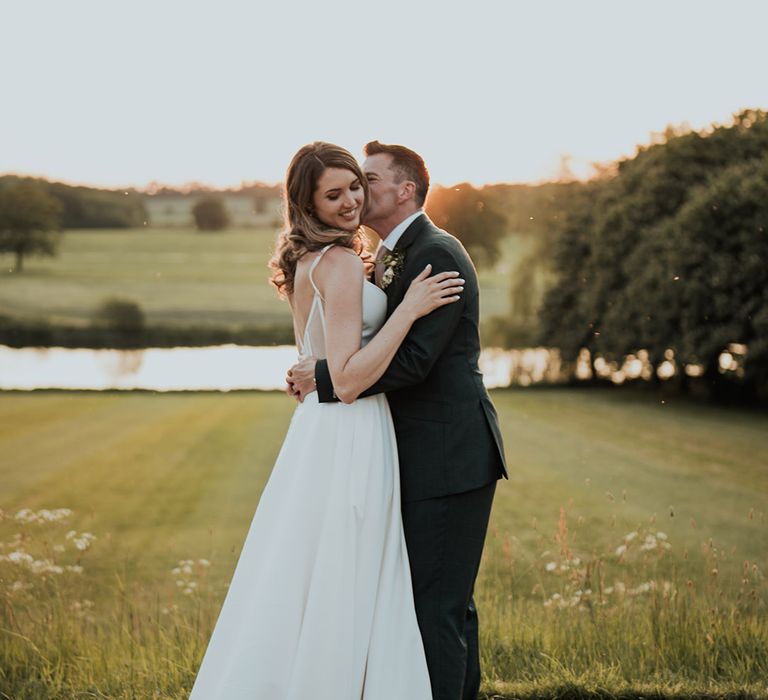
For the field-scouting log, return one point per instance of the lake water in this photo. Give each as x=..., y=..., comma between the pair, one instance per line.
x=219, y=368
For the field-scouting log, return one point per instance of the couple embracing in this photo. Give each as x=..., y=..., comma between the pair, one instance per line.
x=356, y=577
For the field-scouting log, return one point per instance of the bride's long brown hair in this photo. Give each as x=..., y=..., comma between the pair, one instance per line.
x=303, y=231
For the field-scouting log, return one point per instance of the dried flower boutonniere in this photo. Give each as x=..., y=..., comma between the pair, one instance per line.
x=393, y=265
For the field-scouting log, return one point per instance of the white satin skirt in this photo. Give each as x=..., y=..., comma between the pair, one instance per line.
x=320, y=604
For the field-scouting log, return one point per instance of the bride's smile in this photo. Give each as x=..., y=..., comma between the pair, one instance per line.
x=338, y=199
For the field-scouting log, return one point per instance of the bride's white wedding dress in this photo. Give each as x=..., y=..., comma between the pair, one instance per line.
x=320, y=606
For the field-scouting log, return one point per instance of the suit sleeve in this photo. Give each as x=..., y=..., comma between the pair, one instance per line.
x=424, y=343
x=325, y=392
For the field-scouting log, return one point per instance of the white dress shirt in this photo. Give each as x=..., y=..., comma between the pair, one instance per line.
x=394, y=235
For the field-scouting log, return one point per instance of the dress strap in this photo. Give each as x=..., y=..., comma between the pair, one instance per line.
x=313, y=266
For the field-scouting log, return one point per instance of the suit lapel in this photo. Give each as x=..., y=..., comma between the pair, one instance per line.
x=396, y=290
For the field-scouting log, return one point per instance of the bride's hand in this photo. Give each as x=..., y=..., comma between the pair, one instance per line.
x=425, y=294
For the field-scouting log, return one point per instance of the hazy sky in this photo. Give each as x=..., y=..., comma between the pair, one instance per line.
x=119, y=94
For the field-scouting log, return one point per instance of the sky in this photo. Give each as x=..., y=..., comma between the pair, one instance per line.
x=120, y=94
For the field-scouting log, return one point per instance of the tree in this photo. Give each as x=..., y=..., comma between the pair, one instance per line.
x=121, y=315
x=464, y=212
x=29, y=221
x=210, y=214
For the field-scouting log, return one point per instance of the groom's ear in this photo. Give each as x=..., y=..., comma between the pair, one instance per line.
x=406, y=191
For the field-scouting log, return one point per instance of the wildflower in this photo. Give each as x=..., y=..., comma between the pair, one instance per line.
x=630, y=536
x=621, y=549
x=19, y=556
x=551, y=566
x=82, y=542
x=203, y=562
x=27, y=515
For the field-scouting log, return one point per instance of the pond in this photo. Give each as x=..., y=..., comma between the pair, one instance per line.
x=217, y=368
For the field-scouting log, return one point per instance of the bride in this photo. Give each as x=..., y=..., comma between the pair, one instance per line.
x=320, y=604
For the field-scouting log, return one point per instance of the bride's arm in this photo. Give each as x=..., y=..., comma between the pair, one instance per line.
x=340, y=279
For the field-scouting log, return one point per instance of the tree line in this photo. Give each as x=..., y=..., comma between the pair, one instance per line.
x=668, y=253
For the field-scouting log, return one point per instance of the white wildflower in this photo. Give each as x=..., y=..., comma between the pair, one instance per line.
x=82, y=541
x=551, y=566
x=19, y=556
x=621, y=549
x=630, y=536
x=203, y=562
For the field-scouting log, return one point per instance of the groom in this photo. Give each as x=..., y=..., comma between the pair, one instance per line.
x=448, y=438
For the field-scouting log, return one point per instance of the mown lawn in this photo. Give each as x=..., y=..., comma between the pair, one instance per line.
x=162, y=478
x=177, y=276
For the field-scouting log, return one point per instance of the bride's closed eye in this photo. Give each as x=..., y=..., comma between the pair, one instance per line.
x=355, y=186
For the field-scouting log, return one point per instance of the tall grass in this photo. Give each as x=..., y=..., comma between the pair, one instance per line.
x=639, y=618
x=626, y=556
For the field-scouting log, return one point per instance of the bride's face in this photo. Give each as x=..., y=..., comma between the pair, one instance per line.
x=338, y=199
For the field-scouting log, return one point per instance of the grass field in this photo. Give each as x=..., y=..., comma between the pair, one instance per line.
x=164, y=479
x=177, y=276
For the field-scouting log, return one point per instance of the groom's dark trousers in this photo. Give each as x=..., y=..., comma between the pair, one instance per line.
x=450, y=452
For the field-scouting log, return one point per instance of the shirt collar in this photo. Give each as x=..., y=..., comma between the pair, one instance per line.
x=391, y=240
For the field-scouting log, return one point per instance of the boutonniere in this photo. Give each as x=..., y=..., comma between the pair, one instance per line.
x=393, y=265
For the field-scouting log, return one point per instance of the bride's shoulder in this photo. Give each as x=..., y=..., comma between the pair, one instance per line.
x=340, y=268
x=343, y=259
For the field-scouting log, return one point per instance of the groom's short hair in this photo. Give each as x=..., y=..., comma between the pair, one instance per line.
x=407, y=164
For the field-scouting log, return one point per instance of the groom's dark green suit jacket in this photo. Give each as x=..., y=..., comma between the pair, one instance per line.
x=448, y=435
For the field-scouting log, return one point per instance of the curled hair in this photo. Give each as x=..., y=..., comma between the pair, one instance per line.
x=303, y=231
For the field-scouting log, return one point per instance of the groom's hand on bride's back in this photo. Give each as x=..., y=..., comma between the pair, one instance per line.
x=300, y=379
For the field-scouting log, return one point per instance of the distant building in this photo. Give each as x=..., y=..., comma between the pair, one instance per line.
x=245, y=210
